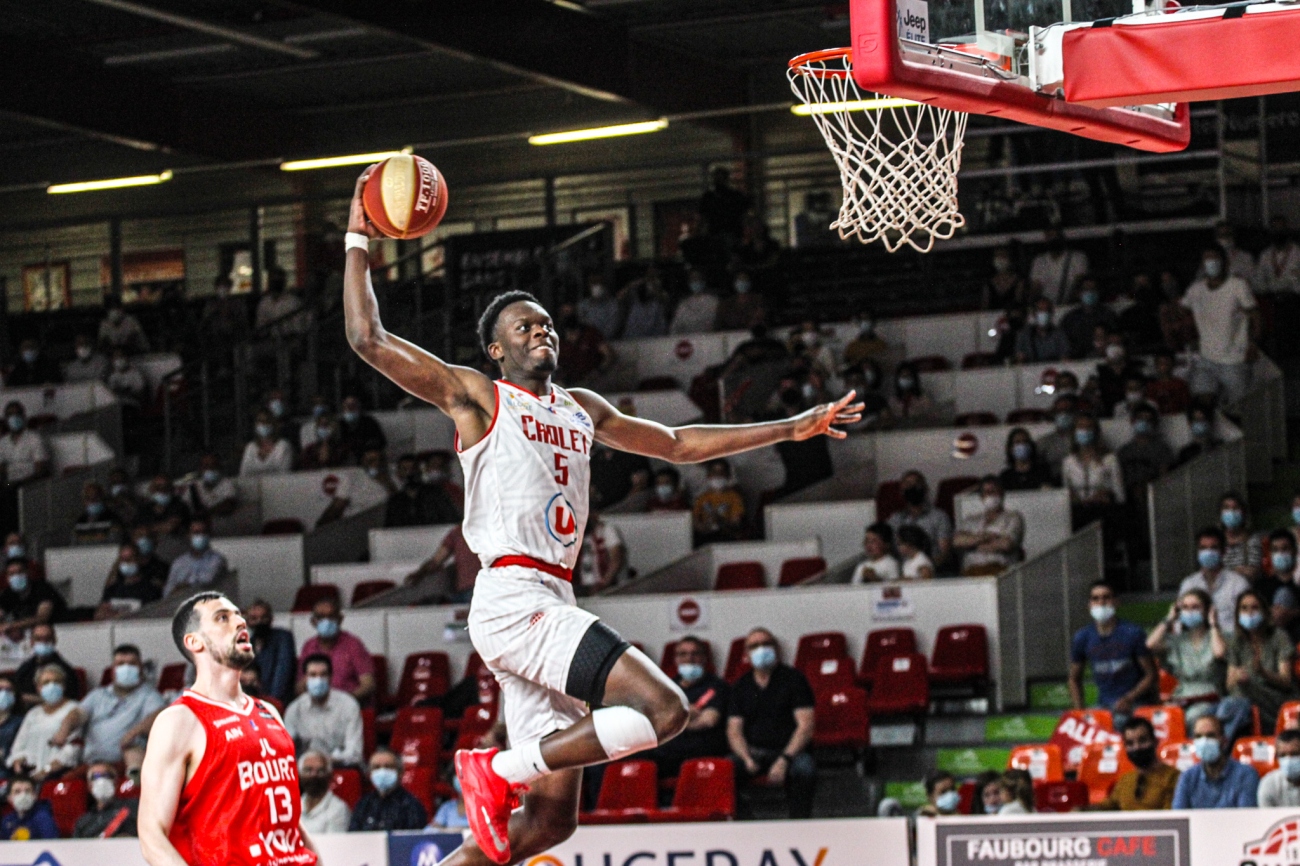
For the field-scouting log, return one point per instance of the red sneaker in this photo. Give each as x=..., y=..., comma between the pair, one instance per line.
x=489, y=800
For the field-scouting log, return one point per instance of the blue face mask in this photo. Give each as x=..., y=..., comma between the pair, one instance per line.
x=1290, y=766
x=455, y=785
x=52, y=693
x=351, y=417
x=211, y=477
x=144, y=545
x=1089, y=298
x=1232, y=518
x=1250, y=621
x=1282, y=563
x=318, y=687
x=1191, y=618
x=264, y=431
x=43, y=649
x=689, y=673
x=17, y=422
x=1208, y=749
x=318, y=410
x=18, y=582
x=327, y=628
x=1295, y=518
x=162, y=499
x=1085, y=436
x=1064, y=421
x=763, y=657
x=6, y=700
x=1102, y=612
x=1022, y=451
x=128, y=569
x=94, y=509
x=1209, y=558
x=1200, y=429
x=1143, y=427
x=947, y=802
x=17, y=551
x=384, y=779
x=127, y=676
x=199, y=543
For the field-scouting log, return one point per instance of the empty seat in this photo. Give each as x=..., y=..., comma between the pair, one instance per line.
x=417, y=749
x=976, y=419
x=889, y=498
x=67, y=798
x=829, y=674
x=346, y=785
x=1028, y=416
x=706, y=791
x=884, y=643
x=1257, y=752
x=741, y=575
x=426, y=674
x=476, y=722
x=1042, y=761
x=1102, y=765
x=369, y=589
x=1167, y=720
x=1178, y=754
x=961, y=655
x=737, y=661
x=901, y=686
x=416, y=720
x=419, y=781
x=283, y=526
x=306, y=597
x=841, y=719
x=796, y=571
x=948, y=489
x=820, y=645
x=628, y=793
x=668, y=661
x=1063, y=796
x=127, y=789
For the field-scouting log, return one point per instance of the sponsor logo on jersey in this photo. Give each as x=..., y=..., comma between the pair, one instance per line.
x=561, y=520
x=266, y=771
x=281, y=841
x=234, y=734
x=228, y=720
x=554, y=435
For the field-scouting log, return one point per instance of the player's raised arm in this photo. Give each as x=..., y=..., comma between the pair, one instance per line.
x=463, y=393
x=700, y=442
x=162, y=778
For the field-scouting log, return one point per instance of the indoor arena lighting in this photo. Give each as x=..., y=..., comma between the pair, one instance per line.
x=855, y=105
x=111, y=183
x=600, y=132
x=336, y=161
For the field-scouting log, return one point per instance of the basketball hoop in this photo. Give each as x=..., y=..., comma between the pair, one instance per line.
x=898, y=159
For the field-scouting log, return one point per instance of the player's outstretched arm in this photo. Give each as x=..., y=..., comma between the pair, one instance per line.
x=162, y=777
x=700, y=442
x=463, y=393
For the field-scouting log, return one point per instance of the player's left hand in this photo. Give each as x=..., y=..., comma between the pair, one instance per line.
x=821, y=419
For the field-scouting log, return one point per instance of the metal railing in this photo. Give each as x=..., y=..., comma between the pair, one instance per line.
x=1182, y=501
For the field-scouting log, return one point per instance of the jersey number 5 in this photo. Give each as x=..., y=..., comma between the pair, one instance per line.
x=285, y=810
x=561, y=469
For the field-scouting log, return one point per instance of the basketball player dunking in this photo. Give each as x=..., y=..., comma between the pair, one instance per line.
x=219, y=785
x=524, y=444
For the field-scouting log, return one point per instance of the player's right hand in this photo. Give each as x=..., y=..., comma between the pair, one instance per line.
x=358, y=222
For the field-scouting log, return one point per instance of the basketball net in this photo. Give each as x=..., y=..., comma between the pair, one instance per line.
x=898, y=159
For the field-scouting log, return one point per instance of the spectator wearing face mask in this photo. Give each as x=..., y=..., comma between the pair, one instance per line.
x=127, y=588
x=988, y=793
x=1016, y=793
x=917, y=511
x=325, y=719
x=1040, y=339
x=646, y=313
x=990, y=542
x=37, y=751
x=1194, y=652
x=121, y=498
x=154, y=568
x=352, y=668
x=744, y=308
x=864, y=381
x=1024, y=469
x=1055, y=446
x=718, y=513
x=87, y=365
x=198, y=566
x=360, y=431
x=941, y=795
x=32, y=368
x=1216, y=781
x=389, y=806
x=585, y=354
x=44, y=652
x=866, y=344
x=126, y=381
x=770, y=726
x=268, y=453
x=1281, y=787
x=707, y=694
x=1003, y=288
x=10, y=716
x=1147, y=455
x=121, y=330
x=1260, y=674
x=1277, y=584
x=212, y=494
x=97, y=524
x=24, y=454
x=879, y=562
x=451, y=814
x=419, y=504
x=274, y=651
x=328, y=451
x=807, y=343
x=1168, y=392
x=307, y=429
x=696, y=313
x=600, y=309
x=1200, y=424
x=1054, y=271
x=667, y=494
x=909, y=406
x=1227, y=321
x=109, y=816
x=1081, y=323
x=31, y=818
x=436, y=471
x=1093, y=475
x=1151, y=784
x=116, y=715
x=165, y=512
x=375, y=465
x=1119, y=376
x=1243, y=551
x=1278, y=271
x=322, y=810
x=28, y=601
x=1220, y=583
x=1116, y=652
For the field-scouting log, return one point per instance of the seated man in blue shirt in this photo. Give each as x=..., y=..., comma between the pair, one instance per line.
x=198, y=567
x=1122, y=666
x=1217, y=782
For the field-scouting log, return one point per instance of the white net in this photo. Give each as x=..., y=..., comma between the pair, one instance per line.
x=898, y=159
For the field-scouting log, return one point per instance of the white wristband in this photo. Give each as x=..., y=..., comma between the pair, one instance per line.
x=356, y=241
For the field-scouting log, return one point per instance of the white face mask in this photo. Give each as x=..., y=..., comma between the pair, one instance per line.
x=103, y=789
x=991, y=503
x=717, y=484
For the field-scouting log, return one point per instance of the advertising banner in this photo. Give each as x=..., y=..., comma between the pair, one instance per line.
x=336, y=849
x=1209, y=837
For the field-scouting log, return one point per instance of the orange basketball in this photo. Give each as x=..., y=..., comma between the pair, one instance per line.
x=405, y=196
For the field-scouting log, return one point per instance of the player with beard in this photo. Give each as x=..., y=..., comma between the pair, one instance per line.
x=574, y=693
x=219, y=785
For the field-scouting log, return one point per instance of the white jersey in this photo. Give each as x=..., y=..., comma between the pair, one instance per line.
x=526, y=479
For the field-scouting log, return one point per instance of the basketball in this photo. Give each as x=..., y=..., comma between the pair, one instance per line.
x=405, y=197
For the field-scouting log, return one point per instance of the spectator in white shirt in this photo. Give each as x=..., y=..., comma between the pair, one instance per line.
x=88, y=365
x=1278, y=270
x=126, y=381
x=35, y=751
x=325, y=719
x=696, y=313
x=1223, y=585
x=989, y=542
x=1054, y=272
x=1227, y=320
x=23, y=452
x=1092, y=474
x=879, y=564
x=212, y=494
x=1240, y=262
x=322, y=810
x=120, y=329
x=268, y=453
x=601, y=309
x=914, y=551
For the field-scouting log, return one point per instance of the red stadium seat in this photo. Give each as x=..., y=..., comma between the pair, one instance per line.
x=1167, y=720
x=1178, y=754
x=948, y=489
x=628, y=794
x=796, y=571
x=930, y=363
x=706, y=791
x=1028, y=416
x=383, y=691
x=68, y=799
x=1257, y=752
x=420, y=781
x=369, y=589
x=889, y=498
x=346, y=785
x=1288, y=716
x=980, y=360
x=740, y=575
x=476, y=722
x=283, y=526
x=127, y=789
x=306, y=597
x=413, y=721
x=901, y=686
x=106, y=678
x=426, y=674
x=1060, y=796
x=966, y=801
x=172, y=677
x=1168, y=682
x=820, y=645
x=1042, y=761
x=418, y=750
x=82, y=680
x=829, y=674
x=976, y=419
x=1103, y=764
x=884, y=643
x=668, y=661
x=737, y=661
x=474, y=665
x=841, y=719
x=961, y=655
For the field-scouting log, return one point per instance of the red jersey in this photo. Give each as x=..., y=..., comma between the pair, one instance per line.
x=241, y=808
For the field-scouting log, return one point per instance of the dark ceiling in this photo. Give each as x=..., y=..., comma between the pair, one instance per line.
x=102, y=88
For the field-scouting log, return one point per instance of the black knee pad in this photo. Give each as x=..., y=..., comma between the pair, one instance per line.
x=597, y=652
